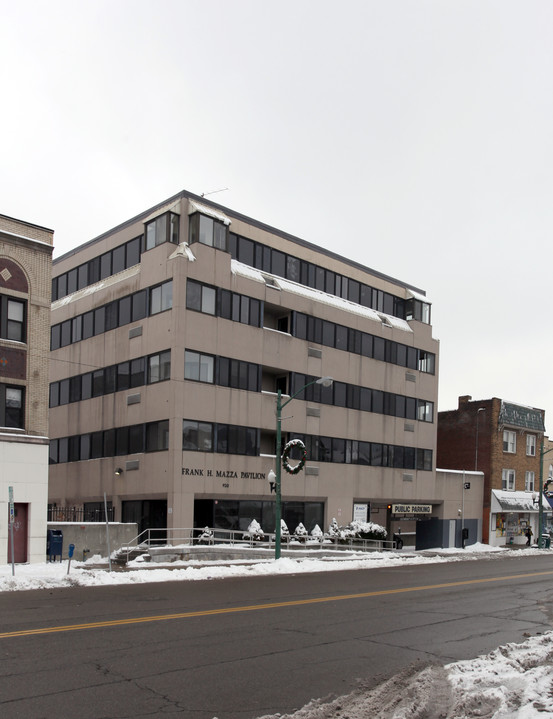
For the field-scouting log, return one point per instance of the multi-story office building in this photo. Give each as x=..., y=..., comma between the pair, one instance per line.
x=503, y=440
x=25, y=281
x=171, y=335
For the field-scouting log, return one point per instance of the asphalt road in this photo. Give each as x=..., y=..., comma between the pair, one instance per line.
x=241, y=648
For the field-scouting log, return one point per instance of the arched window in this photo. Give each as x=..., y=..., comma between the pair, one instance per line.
x=13, y=310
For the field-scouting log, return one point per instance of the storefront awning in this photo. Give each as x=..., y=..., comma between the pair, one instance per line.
x=516, y=502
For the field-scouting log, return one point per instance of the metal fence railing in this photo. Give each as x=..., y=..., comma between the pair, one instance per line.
x=210, y=536
x=79, y=514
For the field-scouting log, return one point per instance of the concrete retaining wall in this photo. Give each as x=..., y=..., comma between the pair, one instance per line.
x=91, y=537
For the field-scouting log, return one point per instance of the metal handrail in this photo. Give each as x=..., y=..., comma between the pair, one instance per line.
x=211, y=536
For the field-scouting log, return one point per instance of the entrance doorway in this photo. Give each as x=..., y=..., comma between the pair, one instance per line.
x=147, y=513
x=20, y=533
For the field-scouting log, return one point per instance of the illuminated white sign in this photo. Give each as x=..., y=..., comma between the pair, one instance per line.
x=411, y=509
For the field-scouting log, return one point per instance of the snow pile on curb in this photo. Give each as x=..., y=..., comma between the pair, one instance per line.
x=512, y=682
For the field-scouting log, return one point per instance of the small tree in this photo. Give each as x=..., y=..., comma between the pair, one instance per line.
x=334, y=529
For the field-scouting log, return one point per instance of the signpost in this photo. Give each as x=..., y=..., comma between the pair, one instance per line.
x=12, y=520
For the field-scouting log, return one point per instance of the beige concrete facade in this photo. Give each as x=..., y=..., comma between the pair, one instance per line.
x=25, y=285
x=181, y=477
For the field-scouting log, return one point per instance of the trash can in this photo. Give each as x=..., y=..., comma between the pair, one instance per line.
x=54, y=544
x=545, y=541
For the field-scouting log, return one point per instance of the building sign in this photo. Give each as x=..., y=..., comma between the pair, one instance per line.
x=411, y=509
x=221, y=473
x=360, y=512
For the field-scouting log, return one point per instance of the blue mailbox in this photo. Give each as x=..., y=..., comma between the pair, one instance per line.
x=54, y=544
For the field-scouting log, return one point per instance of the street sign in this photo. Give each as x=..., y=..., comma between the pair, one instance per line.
x=10, y=498
x=12, y=521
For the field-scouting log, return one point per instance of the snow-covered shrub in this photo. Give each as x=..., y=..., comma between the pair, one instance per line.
x=356, y=530
x=368, y=530
x=254, y=531
x=284, y=531
x=206, y=537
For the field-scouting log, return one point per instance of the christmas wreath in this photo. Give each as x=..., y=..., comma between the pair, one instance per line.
x=287, y=449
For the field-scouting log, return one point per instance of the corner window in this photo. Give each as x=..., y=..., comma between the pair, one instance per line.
x=208, y=231
x=531, y=445
x=509, y=441
x=417, y=310
x=198, y=366
x=159, y=367
x=157, y=436
x=197, y=436
x=425, y=411
x=161, y=298
x=164, y=228
x=427, y=362
x=200, y=297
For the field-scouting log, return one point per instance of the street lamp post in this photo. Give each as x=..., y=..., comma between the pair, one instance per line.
x=280, y=405
x=540, y=494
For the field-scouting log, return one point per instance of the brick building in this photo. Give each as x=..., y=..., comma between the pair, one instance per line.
x=501, y=439
x=25, y=290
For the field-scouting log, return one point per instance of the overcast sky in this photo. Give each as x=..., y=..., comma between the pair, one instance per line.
x=415, y=137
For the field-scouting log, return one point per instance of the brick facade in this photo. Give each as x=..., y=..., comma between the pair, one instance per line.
x=471, y=437
x=25, y=273
x=25, y=293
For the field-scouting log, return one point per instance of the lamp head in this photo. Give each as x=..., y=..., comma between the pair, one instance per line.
x=118, y=472
x=325, y=381
x=271, y=477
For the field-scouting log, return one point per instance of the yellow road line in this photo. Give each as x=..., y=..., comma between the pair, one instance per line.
x=257, y=607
